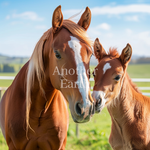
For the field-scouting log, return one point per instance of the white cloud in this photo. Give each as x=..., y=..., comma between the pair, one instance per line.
x=113, y=3
x=121, y=9
x=140, y=42
x=145, y=37
x=129, y=31
x=93, y=32
x=132, y=18
x=16, y=22
x=112, y=10
x=7, y=17
x=109, y=35
x=28, y=15
x=104, y=26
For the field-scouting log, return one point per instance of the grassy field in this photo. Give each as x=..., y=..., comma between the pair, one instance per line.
x=139, y=71
x=94, y=134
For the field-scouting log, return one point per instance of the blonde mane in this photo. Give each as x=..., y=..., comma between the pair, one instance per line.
x=36, y=64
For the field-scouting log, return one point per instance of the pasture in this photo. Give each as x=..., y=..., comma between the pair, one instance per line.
x=94, y=134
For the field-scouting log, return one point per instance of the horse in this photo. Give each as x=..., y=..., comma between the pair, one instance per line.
x=33, y=110
x=128, y=108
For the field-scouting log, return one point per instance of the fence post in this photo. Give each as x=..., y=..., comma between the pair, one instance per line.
x=77, y=130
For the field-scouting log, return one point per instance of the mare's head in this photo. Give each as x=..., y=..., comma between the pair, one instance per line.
x=109, y=73
x=66, y=51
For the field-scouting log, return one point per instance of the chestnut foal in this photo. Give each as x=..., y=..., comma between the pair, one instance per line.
x=128, y=108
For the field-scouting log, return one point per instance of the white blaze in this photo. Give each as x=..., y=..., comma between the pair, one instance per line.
x=106, y=67
x=82, y=80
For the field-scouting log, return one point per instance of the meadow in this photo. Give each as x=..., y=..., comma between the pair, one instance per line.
x=94, y=134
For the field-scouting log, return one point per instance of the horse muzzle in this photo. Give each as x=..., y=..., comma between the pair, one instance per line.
x=83, y=114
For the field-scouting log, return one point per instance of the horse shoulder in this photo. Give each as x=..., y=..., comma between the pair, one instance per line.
x=63, y=118
x=15, y=107
x=53, y=125
x=139, y=129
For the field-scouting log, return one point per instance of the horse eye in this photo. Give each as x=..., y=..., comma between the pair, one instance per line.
x=57, y=55
x=117, y=78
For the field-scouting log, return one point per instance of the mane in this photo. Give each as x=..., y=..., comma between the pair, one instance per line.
x=35, y=68
x=36, y=64
x=134, y=86
x=77, y=31
x=113, y=52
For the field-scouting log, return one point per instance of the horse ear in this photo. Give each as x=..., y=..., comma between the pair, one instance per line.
x=85, y=19
x=99, y=50
x=57, y=19
x=126, y=55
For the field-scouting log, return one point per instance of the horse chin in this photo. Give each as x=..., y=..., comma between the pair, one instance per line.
x=98, y=109
x=77, y=119
x=86, y=114
x=81, y=121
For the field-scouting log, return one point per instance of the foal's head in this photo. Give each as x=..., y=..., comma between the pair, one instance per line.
x=109, y=73
x=67, y=62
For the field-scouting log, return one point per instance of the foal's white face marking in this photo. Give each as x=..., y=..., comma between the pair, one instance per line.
x=82, y=80
x=106, y=67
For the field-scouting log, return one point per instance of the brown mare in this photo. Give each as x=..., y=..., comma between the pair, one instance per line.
x=33, y=110
x=128, y=108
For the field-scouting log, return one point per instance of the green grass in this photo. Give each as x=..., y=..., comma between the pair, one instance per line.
x=6, y=83
x=3, y=145
x=94, y=134
x=139, y=71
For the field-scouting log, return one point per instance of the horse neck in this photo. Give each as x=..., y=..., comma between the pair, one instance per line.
x=122, y=108
x=41, y=99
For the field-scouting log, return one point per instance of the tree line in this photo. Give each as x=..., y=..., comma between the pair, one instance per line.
x=11, y=68
x=141, y=60
x=7, y=68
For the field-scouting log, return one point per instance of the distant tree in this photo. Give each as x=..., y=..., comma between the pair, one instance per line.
x=141, y=60
x=0, y=68
x=7, y=68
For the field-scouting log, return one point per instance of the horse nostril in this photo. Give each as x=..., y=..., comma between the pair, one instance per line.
x=79, y=109
x=99, y=101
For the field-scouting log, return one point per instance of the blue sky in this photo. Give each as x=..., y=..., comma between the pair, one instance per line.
x=115, y=23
